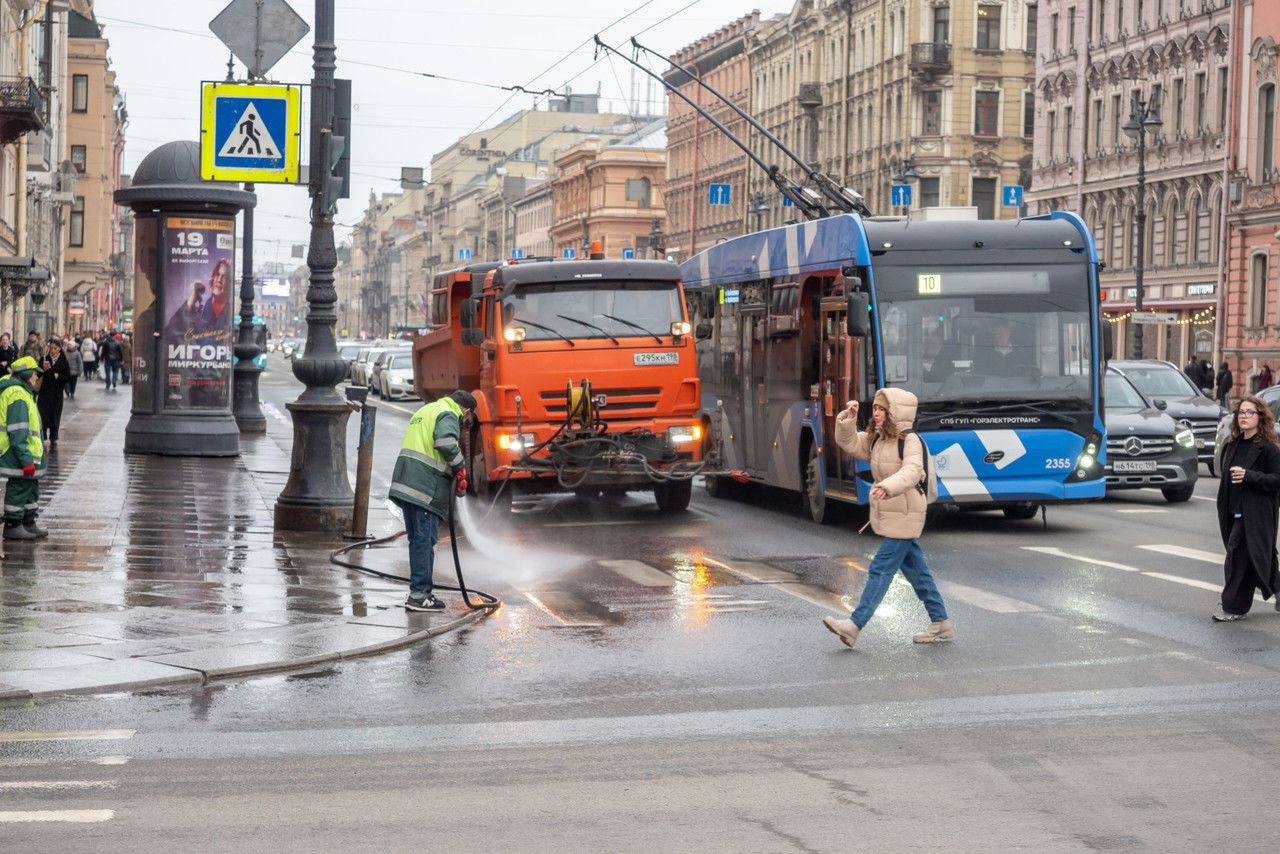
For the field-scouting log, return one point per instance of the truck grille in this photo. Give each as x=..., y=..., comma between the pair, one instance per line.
x=617, y=400
x=1138, y=447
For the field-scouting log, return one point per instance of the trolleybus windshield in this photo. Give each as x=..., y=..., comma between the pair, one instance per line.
x=973, y=334
x=594, y=308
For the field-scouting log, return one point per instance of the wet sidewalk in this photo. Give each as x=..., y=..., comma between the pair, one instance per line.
x=166, y=571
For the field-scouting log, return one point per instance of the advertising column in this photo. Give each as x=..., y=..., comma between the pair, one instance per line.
x=197, y=334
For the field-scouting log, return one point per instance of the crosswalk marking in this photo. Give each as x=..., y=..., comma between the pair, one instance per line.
x=1183, y=551
x=77, y=816
x=69, y=735
x=639, y=572
x=801, y=590
x=1054, y=551
x=1141, y=510
x=985, y=599
x=1190, y=582
x=564, y=607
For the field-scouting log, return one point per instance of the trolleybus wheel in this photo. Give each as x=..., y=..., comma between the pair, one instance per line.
x=673, y=495
x=815, y=501
x=1021, y=510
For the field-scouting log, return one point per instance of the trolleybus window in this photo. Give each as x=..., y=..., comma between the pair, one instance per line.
x=595, y=309
x=971, y=333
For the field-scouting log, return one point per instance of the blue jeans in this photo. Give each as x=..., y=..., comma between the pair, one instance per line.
x=423, y=530
x=891, y=555
x=111, y=368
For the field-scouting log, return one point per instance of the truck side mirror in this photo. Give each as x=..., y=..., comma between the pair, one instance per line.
x=858, y=319
x=703, y=330
x=467, y=313
x=473, y=336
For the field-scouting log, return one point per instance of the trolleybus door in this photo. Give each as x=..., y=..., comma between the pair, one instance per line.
x=751, y=325
x=835, y=375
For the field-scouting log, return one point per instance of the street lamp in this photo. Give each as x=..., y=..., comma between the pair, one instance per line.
x=655, y=239
x=1143, y=117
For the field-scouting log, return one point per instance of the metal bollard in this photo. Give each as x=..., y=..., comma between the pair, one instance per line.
x=359, y=398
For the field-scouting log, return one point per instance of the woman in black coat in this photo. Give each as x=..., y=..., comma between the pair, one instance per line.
x=1224, y=384
x=49, y=397
x=1248, y=503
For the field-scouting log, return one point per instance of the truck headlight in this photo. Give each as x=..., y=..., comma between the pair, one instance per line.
x=517, y=442
x=680, y=327
x=513, y=333
x=1185, y=438
x=684, y=435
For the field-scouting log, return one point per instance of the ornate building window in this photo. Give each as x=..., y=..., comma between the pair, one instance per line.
x=1193, y=231
x=931, y=112
x=1266, y=131
x=941, y=24
x=988, y=28
x=986, y=113
x=1258, y=289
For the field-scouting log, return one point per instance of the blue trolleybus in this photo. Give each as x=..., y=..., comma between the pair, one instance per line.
x=993, y=325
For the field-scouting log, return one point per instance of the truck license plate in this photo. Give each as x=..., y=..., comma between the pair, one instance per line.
x=1133, y=465
x=656, y=358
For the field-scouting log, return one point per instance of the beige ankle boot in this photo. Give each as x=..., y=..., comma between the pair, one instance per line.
x=846, y=629
x=936, y=632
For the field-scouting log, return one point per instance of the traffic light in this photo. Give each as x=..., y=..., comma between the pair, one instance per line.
x=335, y=161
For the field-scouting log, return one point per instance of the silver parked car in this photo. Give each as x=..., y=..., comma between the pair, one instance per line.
x=395, y=379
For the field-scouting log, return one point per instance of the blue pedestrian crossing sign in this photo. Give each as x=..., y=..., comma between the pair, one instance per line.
x=464, y=254
x=568, y=253
x=900, y=195
x=250, y=132
x=517, y=253
x=718, y=194
x=1012, y=196
x=628, y=253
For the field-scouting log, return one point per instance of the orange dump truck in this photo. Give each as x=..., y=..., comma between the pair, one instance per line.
x=583, y=373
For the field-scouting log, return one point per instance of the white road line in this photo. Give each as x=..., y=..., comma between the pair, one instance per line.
x=1204, y=498
x=639, y=572
x=77, y=816
x=111, y=760
x=57, y=784
x=1142, y=510
x=1162, y=576
x=1053, y=551
x=561, y=607
x=30, y=763
x=69, y=735
x=985, y=599
x=764, y=574
x=1183, y=551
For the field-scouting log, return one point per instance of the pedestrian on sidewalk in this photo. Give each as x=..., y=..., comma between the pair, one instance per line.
x=1248, y=501
x=430, y=464
x=21, y=451
x=1224, y=383
x=53, y=378
x=110, y=352
x=1265, y=379
x=89, y=348
x=126, y=357
x=8, y=354
x=34, y=347
x=75, y=366
x=898, y=506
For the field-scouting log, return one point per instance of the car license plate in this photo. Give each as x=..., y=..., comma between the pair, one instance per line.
x=656, y=359
x=1133, y=465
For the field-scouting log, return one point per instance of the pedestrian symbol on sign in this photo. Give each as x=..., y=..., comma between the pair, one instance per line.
x=250, y=138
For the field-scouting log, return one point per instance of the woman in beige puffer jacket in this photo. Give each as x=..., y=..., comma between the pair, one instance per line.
x=898, y=509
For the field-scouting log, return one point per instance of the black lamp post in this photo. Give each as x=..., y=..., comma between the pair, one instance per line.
x=656, y=238
x=1143, y=117
x=318, y=496
x=245, y=374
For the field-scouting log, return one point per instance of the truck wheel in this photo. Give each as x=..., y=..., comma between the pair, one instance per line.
x=1021, y=510
x=1176, y=495
x=673, y=495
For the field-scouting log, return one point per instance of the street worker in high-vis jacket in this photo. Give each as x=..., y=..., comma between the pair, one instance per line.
x=21, y=451
x=430, y=464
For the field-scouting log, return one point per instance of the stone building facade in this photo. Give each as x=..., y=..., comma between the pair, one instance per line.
x=698, y=154
x=1094, y=59
x=1251, y=304
x=874, y=92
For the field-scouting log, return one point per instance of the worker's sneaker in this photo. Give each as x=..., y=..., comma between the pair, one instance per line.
x=17, y=531
x=425, y=603
x=940, y=631
x=846, y=629
x=1221, y=616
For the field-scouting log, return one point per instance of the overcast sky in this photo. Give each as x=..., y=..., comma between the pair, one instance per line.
x=161, y=50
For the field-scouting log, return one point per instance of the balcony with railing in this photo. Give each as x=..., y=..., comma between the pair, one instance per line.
x=21, y=108
x=930, y=57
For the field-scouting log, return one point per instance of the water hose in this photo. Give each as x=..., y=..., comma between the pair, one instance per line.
x=484, y=601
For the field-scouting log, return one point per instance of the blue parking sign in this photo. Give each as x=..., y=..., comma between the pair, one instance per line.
x=1012, y=196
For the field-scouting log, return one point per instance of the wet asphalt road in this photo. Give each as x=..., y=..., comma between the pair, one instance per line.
x=659, y=682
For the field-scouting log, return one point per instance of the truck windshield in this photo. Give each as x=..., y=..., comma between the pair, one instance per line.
x=598, y=308
x=1007, y=333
